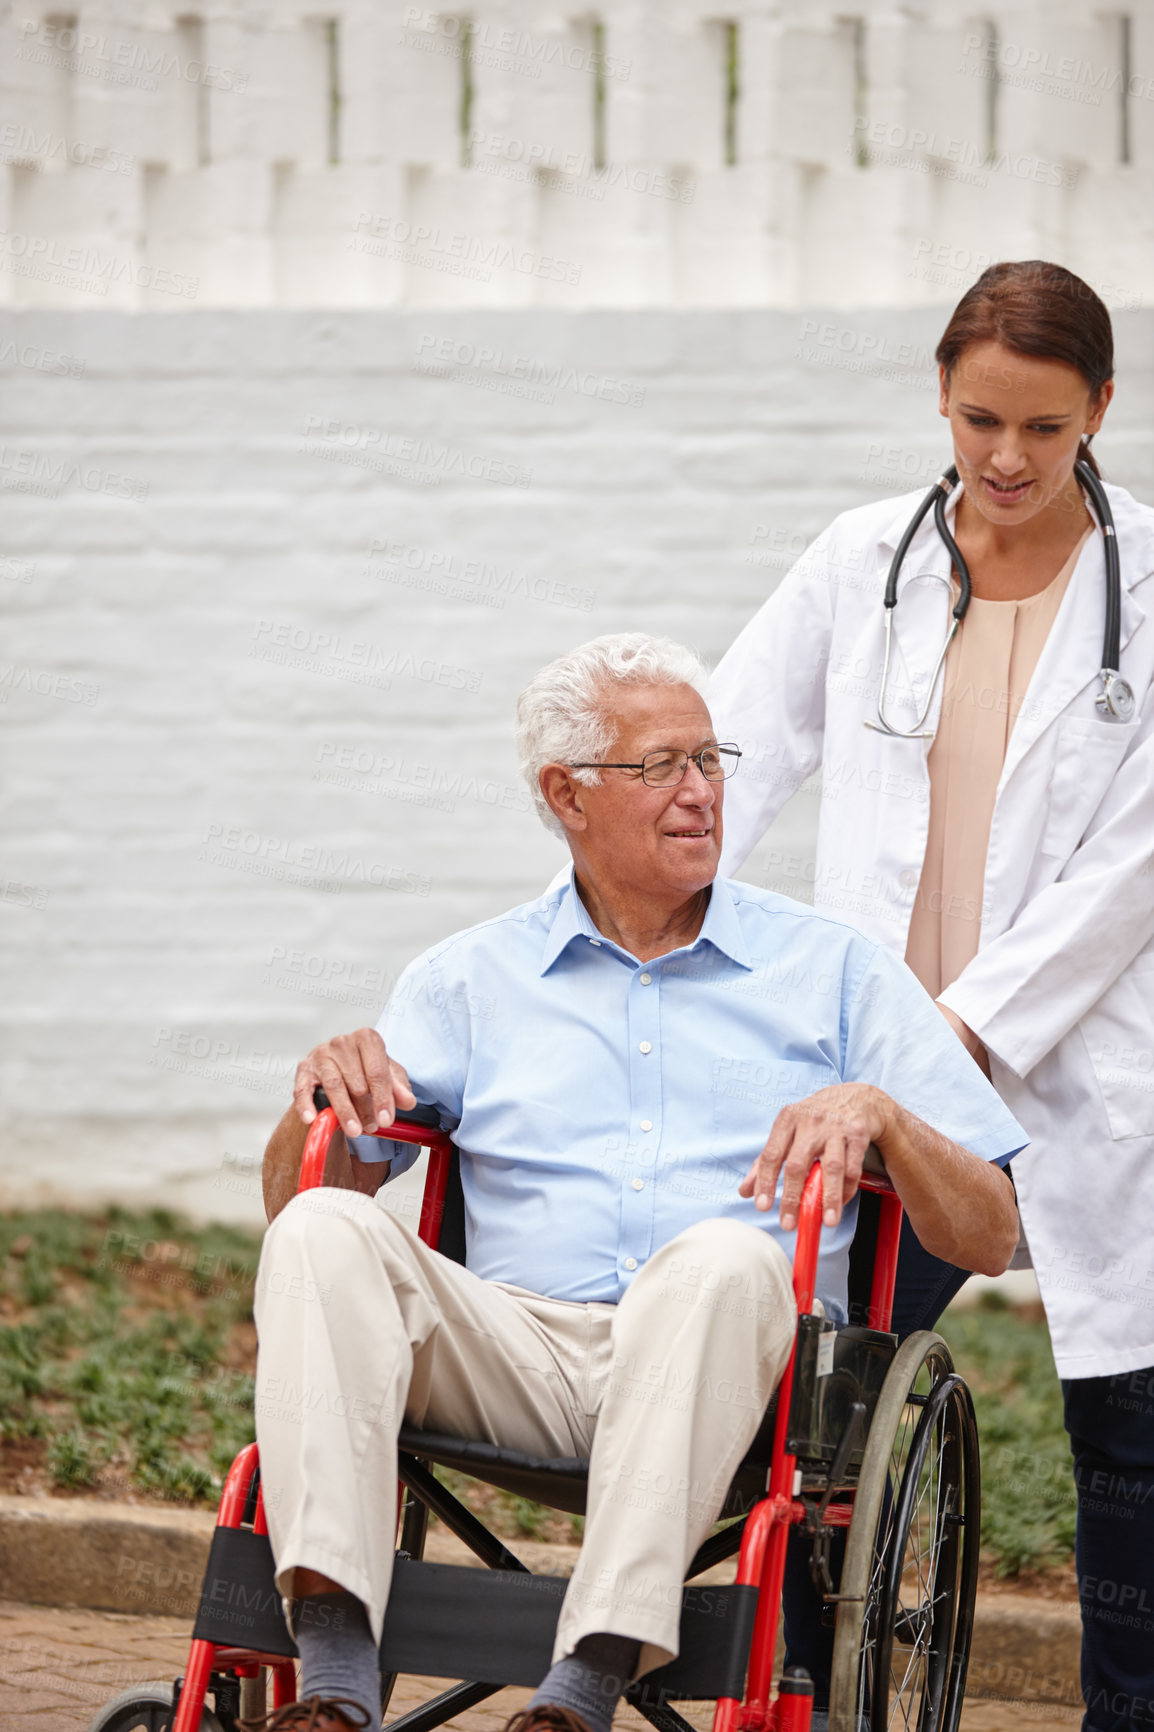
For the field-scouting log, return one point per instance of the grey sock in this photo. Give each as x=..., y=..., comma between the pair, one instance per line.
x=338, y=1654
x=591, y=1679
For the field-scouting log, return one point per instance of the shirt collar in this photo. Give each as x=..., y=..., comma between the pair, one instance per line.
x=721, y=926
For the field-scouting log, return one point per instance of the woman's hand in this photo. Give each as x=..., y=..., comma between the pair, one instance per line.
x=967, y=1037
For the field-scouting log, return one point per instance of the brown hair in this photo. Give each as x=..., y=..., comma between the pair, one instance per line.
x=1039, y=309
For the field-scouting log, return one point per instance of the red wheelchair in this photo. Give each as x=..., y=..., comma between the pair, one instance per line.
x=868, y=1448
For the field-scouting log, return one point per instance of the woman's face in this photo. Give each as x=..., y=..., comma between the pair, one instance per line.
x=1016, y=423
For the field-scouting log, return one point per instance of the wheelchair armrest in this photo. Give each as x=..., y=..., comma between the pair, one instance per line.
x=417, y=1125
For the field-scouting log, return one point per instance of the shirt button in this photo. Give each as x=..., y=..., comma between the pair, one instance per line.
x=631, y=1262
x=645, y=979
x=647, y=1124
x=596, y=941
x=645, y=1047
x=639, y=1184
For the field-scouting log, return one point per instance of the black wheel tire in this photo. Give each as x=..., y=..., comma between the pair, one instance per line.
x=145, y=1708
x=925, y=1612
x=902, y=1639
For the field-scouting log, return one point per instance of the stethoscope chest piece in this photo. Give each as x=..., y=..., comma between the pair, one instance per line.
x=1116, y=699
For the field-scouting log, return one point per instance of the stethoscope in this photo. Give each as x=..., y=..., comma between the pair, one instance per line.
x=1115, y=700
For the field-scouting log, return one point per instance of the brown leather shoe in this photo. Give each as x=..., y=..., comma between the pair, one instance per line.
x=315, y=1714
x=546, y=1718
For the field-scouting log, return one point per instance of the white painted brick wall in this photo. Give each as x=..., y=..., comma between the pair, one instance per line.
x=182, y=523
x=150, y=160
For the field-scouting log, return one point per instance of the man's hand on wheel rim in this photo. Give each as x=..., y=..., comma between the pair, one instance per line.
x=364, y=1085
x=834, y=1126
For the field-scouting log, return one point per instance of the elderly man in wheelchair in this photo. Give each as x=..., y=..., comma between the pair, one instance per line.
x=639, y=1070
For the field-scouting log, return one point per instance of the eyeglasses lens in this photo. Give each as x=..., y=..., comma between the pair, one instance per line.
x=662, y=769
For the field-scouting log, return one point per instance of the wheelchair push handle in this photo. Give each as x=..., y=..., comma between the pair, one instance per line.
x=424, y=1116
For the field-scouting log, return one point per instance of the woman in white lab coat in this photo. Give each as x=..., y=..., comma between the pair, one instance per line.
x=1007, y=851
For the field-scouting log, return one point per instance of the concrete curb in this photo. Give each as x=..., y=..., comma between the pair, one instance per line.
x=112, y=1557
x=118, y=1557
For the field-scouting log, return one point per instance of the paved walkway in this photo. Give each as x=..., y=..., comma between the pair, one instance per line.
x=57, y=1668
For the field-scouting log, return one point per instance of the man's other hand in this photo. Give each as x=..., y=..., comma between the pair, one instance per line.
x=835, y=1126
x=364, y=1085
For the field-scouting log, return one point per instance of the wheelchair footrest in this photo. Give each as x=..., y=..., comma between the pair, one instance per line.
x=447, y=1621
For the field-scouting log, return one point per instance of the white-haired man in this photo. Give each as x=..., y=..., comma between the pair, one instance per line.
x=634, y=1067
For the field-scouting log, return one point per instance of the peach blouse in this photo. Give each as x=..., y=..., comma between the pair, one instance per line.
x=988, y=668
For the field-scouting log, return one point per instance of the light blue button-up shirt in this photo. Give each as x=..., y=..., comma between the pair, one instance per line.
x=602, y=1105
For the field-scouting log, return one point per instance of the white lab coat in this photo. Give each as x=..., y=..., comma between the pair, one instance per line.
x=1062, y=988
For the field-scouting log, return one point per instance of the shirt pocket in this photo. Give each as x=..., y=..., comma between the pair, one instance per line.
x=749, y=1094
x=1119, y=1037
x=1086, y=755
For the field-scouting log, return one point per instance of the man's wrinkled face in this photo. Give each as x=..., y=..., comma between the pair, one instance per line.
x=661, y=839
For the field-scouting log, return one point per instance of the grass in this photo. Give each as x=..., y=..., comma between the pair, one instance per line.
x=127, y=1352
x=1028, y=1500
x=126, y=1348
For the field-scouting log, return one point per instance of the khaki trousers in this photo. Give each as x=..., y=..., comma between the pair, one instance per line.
x=362, y=1325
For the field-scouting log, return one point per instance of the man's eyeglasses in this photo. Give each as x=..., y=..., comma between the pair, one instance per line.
x=666, y=767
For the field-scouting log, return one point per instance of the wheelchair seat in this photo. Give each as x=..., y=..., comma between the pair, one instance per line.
x=562, y=1482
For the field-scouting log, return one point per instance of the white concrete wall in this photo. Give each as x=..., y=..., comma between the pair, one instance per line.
x=271, y=586
x=156, y=157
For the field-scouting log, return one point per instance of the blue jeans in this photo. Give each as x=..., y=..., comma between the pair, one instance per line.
x=925, y=1285
x=1111, y=1425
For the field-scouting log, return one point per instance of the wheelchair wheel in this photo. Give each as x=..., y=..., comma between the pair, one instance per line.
x=145, y=1708
x=906, y=1598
